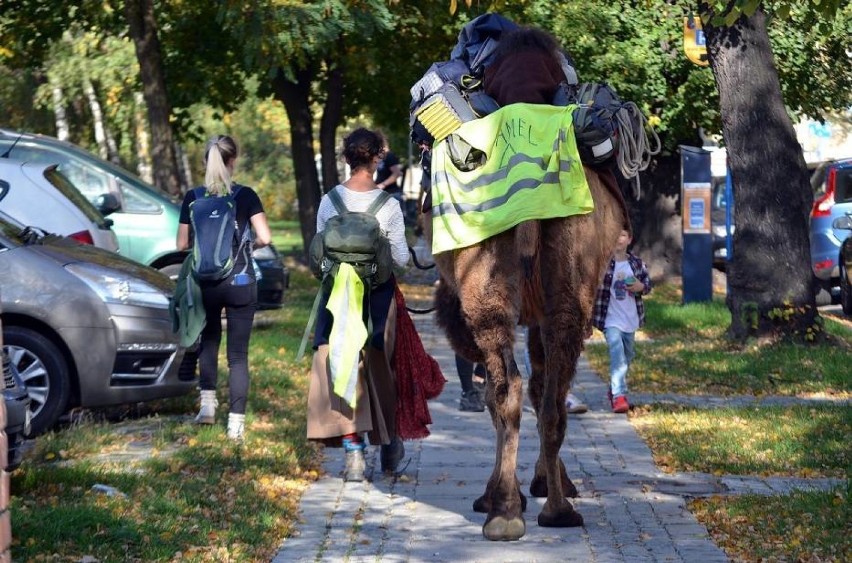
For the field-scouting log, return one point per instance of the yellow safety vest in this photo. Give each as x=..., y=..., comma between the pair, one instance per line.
x=531, y=170
x=348, y=332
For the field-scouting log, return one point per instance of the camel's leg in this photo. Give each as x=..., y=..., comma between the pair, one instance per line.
x=538, y=486
x=504, y=395
x=567, y=305
x=488, y=290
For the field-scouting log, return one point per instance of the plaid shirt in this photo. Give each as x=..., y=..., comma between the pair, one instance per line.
x=604, y=293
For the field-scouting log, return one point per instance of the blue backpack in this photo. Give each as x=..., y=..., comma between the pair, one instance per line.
x=217, y=242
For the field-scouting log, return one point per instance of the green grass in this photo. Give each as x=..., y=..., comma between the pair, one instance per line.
x=803, y=526
x=198, y=493
x=804, y=441
x=688, y=353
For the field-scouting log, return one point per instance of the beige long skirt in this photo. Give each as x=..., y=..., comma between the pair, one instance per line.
x=329, y=417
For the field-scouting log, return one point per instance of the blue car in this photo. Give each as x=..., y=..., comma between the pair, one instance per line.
x=832, y=184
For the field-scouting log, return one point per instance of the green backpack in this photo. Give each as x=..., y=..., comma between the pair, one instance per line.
x=356, y=238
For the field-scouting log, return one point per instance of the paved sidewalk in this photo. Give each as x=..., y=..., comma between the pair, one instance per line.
x=632, y=511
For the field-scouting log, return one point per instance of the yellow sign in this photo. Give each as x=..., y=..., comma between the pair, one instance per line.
x=694, y=41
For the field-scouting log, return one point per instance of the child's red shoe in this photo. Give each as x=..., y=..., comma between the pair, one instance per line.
x=620, y=405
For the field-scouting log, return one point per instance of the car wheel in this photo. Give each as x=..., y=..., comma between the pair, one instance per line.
x=845, y=290
x=172, y=270
x=44, y=371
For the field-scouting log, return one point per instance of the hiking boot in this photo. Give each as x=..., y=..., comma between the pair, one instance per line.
x=575, y=405
x=355, y=464
x=471, y=401
x=620, y=404
x=391, y=455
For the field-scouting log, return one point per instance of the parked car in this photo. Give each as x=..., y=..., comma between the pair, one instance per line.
x=845, y=224
x=832, y=185
x=39, y=195
x=84, y=326
x=718, y=223
x=145, y=218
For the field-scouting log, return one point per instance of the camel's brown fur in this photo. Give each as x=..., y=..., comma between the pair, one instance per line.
x=542, y=274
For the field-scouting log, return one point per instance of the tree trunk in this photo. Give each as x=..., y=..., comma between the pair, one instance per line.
x=331, y=115
x=296, y=99
x=143, y=30
x=97, y=118
x=770, y=285
x=60, y=116
x=143, y=145
x=656, y=217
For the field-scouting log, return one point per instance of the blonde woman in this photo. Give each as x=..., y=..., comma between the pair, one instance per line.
x=236, y=293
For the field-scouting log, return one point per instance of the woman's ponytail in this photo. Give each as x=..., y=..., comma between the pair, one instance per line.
x=220, y=152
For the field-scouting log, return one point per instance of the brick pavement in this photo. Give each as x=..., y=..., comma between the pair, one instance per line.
x=632, y=511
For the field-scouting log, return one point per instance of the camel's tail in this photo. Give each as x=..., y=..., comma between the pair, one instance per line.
x=527, y=236
x=527, y=241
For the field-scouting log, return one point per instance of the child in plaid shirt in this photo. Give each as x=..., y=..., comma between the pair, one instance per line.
x=619, y=312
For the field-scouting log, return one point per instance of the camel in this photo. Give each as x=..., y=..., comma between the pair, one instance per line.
x=543, y=274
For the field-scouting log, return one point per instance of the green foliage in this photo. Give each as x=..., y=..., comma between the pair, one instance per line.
x=17, y=107
x=262, y=132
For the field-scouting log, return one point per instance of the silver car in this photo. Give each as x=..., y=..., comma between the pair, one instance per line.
x=83, y=326
x=39, y=195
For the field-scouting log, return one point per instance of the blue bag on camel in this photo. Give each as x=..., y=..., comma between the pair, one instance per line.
x=451, y=92
x=216, y=238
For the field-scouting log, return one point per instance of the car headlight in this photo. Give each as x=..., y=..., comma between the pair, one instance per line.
x=265, y=253
x=115, y=287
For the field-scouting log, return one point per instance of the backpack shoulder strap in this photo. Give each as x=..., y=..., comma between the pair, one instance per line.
x=378, y=203
x=200, y=192
x=337, y=201
x=235, y=189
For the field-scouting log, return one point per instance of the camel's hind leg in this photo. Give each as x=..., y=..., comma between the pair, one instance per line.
x=488, y=290
x=538, y=486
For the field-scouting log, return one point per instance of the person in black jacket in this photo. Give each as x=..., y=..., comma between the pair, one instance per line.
x=236, y=293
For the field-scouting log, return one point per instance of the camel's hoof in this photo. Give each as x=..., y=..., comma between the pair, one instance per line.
x=569, y=518
x=538, y=488
x=501, y=528
x=483, y=504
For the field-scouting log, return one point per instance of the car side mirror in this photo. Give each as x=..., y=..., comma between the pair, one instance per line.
x=107, y=204
x=844, y=222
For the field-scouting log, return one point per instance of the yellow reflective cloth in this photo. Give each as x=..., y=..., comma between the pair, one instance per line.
x=348, y=333
x=532, y=170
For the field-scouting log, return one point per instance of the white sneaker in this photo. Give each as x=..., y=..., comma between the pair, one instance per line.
x=207, y=411
x=575, y=405
x=236, y=426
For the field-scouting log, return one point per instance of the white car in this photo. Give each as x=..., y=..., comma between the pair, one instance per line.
x=38, y=195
